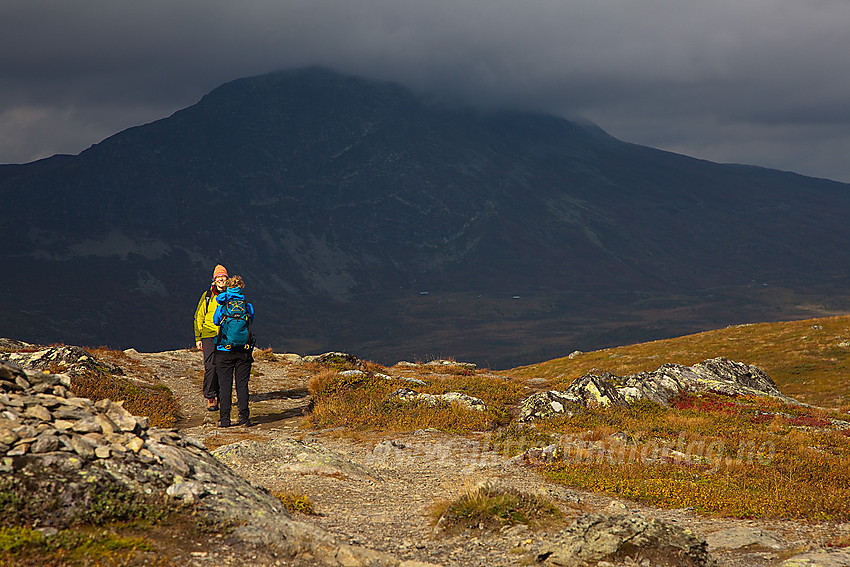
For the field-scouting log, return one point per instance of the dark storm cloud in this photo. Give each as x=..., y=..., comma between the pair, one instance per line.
x=754, y=81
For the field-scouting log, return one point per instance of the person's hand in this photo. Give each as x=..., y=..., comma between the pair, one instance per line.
x=199, y=345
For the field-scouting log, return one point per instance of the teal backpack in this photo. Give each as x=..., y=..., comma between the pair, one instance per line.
x=235, y=330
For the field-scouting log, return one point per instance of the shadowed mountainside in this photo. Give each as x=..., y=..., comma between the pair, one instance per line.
x=366, y=220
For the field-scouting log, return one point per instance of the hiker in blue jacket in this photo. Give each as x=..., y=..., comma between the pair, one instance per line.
x=233, y=350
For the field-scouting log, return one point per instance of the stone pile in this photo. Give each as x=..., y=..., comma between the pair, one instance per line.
x=39, y=414
x=65, y=460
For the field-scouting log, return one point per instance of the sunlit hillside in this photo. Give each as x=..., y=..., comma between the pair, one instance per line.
x=809, y=360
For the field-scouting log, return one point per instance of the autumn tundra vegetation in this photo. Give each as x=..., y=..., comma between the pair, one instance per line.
x=750, y=457
x=734, y=456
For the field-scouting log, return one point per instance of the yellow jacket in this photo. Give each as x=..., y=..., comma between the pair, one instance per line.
x=204, y=326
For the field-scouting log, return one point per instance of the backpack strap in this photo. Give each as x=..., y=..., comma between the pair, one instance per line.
x=224, y=317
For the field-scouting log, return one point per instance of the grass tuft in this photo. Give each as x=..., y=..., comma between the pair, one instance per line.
x=490, y=507
x=295, y=502
x=265, y=355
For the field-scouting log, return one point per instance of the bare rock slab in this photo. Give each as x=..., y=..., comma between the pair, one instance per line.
x=597, y=537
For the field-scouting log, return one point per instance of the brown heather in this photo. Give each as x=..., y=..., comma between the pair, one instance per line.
x=154, y=401
x=366, y=403
x=766, y=459
x=805, y=358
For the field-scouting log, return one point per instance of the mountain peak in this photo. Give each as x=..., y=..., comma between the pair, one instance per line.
x=342, y=201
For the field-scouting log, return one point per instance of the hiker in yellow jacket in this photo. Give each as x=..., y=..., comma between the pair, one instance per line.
x=206, y=331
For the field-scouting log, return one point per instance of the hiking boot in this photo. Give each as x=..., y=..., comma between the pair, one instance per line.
x=212, y=404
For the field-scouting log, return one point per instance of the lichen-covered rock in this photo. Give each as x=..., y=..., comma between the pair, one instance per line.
x=464, y=400
x=442, y=363
x=596, y=537
x=718, y=375
x=819, y=558
x=741, y=537
x=597, y=390
x=293, y=456
x=71, y=360
x=334, y=360
x=544, y=405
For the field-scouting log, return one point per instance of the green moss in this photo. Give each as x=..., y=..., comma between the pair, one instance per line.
x=115, y=503
x=71, y=547
x=13, y=540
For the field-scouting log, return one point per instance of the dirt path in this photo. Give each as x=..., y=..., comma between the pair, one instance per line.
x=376, y=491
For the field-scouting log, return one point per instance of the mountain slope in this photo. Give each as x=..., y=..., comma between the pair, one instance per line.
x=808, y=359
x=343, y=201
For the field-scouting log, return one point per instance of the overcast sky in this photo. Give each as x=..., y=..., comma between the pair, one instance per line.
x=763, y=82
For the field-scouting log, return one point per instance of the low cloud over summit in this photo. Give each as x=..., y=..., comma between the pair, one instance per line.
x=760, y=82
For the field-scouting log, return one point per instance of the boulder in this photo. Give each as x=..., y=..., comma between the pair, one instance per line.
x=544, y=405
x=464, y=400
x=334, y=360
x=717, y=375
x=597, y=537
x=597, y=390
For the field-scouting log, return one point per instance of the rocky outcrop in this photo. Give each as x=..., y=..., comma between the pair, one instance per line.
x=70, y=360
x=718, y=375
x=364, y=374
x=596, y=538
x=334, y=360
x=357, y=372
x=451, y=364
x=463, y=400
x=71, y=452
x=65, y=460
x=290, y=456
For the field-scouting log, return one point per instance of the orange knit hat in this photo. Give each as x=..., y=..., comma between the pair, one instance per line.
x=219, y=271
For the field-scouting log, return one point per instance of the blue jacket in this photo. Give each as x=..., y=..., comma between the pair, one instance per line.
x=221, y=299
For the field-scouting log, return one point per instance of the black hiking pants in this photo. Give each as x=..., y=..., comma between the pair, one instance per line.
x=233, y=367
x=210, y=378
